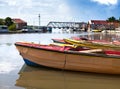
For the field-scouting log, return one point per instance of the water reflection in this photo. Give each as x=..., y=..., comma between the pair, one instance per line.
x=8, y=57
x=101, y=36
x=44, y=78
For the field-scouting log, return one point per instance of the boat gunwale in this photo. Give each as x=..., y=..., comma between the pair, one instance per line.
x=72, y=52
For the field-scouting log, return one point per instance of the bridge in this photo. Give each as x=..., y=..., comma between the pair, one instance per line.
x=75, y=26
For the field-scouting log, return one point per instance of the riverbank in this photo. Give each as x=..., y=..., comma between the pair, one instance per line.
x=21, y=32
x=16, y=32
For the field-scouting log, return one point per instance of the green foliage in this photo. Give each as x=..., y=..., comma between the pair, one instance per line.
x=2, y=21
x=119, y=19
x=12, y=27
x=112, y=19
x=8, y=21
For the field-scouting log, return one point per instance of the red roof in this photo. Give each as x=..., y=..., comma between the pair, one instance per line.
x=18, y=21
x=99, y=22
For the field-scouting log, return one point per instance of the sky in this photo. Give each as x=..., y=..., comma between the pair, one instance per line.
x=59, y=10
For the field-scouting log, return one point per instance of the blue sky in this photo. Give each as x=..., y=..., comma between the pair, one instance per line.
x=59, y=10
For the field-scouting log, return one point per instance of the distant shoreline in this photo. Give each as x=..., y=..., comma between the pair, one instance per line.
x=17, y=32
x=22, y=32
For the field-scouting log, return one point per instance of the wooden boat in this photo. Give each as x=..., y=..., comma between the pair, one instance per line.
x=59, y=41
x=86, y=40
x=93, y=60
x=115, y=44
x=93, y=44
x=63, y=42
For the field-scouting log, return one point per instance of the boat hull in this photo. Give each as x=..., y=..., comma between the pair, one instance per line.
x=92, y=64
x=35, y=57
x=69, y=60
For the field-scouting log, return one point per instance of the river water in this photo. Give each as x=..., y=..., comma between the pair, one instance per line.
x=14, y=74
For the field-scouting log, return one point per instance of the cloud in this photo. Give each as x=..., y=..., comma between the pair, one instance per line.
x=106, y=2
x=17, y=2
x=28, y=10
x=57, y=10
x=49, y=10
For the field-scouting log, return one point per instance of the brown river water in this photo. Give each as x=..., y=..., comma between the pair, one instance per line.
x=14, y=74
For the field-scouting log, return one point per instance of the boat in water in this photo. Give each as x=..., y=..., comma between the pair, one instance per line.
x=69, y=58
x=94, y=44
x=62, y=41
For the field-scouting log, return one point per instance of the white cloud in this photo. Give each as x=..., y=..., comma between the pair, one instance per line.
x=28, y=10
x=63, y=8
x=106, y=2
x=17, y=2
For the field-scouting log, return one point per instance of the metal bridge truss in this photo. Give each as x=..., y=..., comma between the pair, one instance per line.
x=67, y=25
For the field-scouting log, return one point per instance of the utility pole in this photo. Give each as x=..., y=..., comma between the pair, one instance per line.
x=39, y=20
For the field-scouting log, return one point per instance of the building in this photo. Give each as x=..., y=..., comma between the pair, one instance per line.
x=20, y=24
x=104, y=25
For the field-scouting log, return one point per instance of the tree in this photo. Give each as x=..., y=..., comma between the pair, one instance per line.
x=8, y=21
x=2, y=21
x=112, y=19
x=111, y=23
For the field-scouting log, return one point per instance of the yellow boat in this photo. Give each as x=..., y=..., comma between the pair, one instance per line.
x=91, y=44
x=96, y=30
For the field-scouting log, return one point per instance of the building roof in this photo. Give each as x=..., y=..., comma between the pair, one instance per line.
x=17, y=20
x=105, y=23
x=99, y=22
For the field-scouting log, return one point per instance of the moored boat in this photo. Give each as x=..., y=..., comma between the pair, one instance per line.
x=91, y=60
x=63, y=42
x=93, y=44
x=86, y=40
x=96, y=30
x=59, y=41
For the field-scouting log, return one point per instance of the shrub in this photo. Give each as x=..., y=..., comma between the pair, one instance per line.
x=12, y=27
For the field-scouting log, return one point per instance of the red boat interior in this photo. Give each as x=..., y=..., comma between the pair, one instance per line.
x=51, y=47
x=70, y=48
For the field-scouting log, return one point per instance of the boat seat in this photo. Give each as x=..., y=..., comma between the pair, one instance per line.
x=91, y=50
